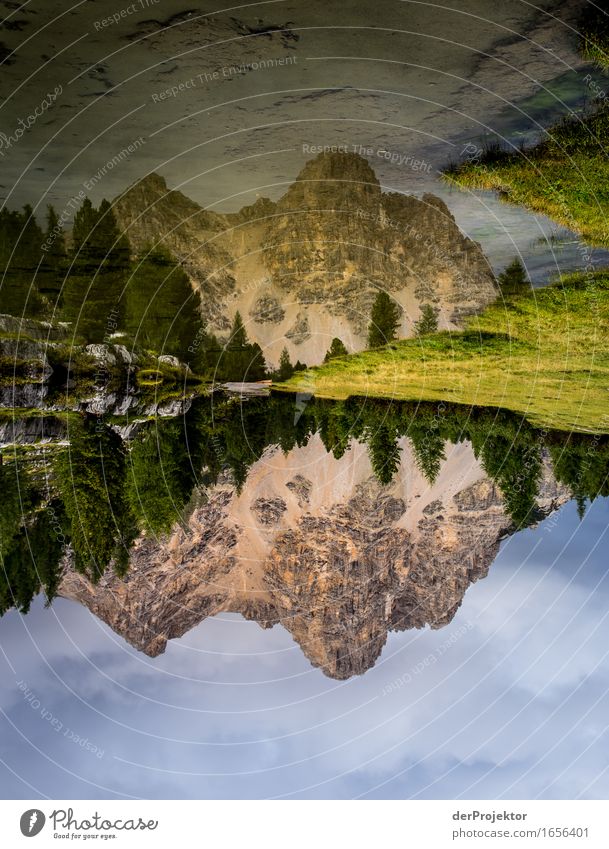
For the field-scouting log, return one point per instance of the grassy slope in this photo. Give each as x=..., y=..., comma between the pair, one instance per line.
x=544, y=354
x=565, y=177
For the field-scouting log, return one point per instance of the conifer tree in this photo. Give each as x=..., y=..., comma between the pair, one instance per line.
x=384, y=452
x=162, y=312
x=428, y=449
x=514, y=280
x=91, y=478
x=54, y=235
x=98, y=274
x=238, y=336
x=50, y=276
x=240, y=359
x=82, y=226
x=384, y=321
x=20, y=248
x=286, y=369
x=428, y=322
x=336, y=349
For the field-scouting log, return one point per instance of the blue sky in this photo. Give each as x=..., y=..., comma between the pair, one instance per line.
x=512, y=701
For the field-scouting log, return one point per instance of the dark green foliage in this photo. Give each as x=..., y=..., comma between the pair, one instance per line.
x=231, y=435
x=33, y=265
x=384, y=452
x=19, y=582
x=91, y=476
x=20, y=256
x=509, y=449
x=31, y=540
x=99, y=266
x=428, y=446
x=336, y=349
x=428, y=322
x=334, y=425
x=209, y=353
x=31, y=565
x=97, y=243
x=162, y=312
x=100, y=292
x=384, y=321
x=583, y=465
x=160, y=475
x=82, y=230
x=513, y=280
x=55, y=246
x=15, y=503
x=593, y=27
x=239, y=359
x=286, y=369
x=46, y=541
x=239, y=434
x=238, y=336
x=514, y=463
x=53, y=267
x=150, y=300
x=248, y=365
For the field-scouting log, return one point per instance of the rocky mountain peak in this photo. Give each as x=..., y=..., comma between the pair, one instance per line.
x=261, y=208
x=150, y=187
x=151, y=196
x=343, y=180
x=307, y=268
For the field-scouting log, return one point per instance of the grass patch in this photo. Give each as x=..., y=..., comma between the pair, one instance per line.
x=594, y=32
x=544, y=355
x=149, y=377
x=566, y=176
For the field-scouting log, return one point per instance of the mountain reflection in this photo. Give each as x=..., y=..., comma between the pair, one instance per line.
x=340, y=520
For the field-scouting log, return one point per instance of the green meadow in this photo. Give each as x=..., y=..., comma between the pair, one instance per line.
x=565, y=176
x=544, y=354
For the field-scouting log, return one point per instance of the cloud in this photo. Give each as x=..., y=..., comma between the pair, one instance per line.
x=231, y=710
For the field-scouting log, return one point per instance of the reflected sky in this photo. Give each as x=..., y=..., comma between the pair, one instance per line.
x=508, y=701
x=401, y=87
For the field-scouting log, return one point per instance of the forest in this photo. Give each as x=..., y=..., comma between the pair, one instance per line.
x=108, y=293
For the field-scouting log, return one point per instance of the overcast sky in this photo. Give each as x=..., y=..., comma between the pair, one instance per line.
x=515, y=705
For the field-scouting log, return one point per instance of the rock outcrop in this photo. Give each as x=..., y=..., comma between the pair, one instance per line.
x=37, y=362
x=336, y=558
x=307, y=267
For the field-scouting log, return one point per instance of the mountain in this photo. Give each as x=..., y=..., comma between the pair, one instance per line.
x=307, y=267
x=317, y=544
